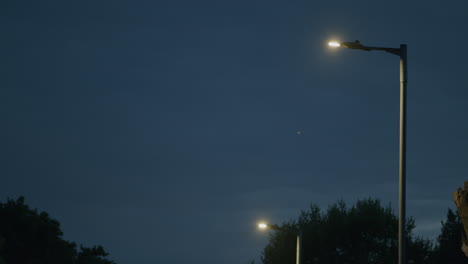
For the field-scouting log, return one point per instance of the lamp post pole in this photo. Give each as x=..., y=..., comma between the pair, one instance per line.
x=402, y=53
x=402, y=168
x=299, y=247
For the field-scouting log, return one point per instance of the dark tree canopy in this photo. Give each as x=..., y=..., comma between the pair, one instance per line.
x=448, y=249
x=30, y=237
x=364, y=233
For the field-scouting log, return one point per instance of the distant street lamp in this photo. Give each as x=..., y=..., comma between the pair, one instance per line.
x=298, y=239
x=400, y=52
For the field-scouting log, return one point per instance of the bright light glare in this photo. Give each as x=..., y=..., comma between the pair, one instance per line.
x=262, y=225
x=333, y=44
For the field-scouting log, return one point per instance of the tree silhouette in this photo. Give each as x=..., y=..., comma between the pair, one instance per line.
x=30, y=237
x=364, y=233
x=448, y=249
x=94, y=255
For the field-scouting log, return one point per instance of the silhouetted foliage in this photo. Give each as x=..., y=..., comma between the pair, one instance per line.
x=30, y=237
x=364, y=233
x=448, y=249
x=94, y=255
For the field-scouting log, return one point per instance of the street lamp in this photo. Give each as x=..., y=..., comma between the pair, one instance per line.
x=400, y=52
x=298, y=239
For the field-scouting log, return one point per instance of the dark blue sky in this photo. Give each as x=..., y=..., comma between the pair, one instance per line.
x=164, y=130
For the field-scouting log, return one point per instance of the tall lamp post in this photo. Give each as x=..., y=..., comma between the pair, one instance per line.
x=401, y=52
x=298, y=239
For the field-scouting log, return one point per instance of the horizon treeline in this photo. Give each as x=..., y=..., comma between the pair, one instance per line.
x=366, y=232
x=31, y=237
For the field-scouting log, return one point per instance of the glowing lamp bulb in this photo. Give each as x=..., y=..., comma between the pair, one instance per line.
x=262, y=225
x=333, y=44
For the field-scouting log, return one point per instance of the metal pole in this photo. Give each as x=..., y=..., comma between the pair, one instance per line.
x=402, y=169
x=299, y=247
